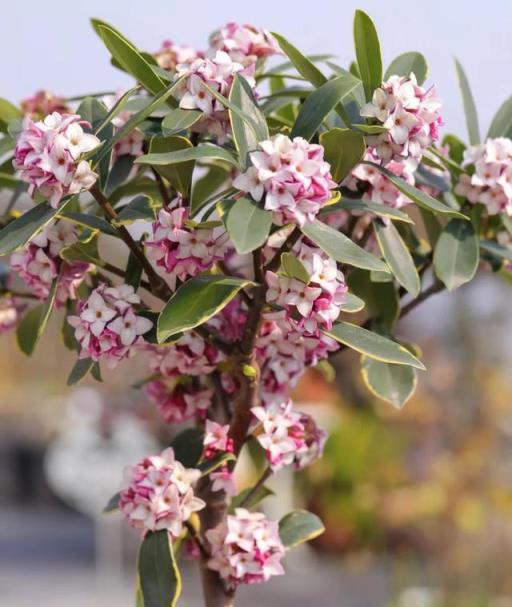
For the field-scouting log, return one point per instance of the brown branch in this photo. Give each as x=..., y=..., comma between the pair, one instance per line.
x=287, y=245
x=434, y=288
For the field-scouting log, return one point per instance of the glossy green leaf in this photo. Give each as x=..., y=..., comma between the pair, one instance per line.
x=195, y=301
x=159, y=577
x=18, y=232
x=469, y=105
x=302, y=64
x=248, y=224
x=188, y=447
x=368, y=55
x=119, y=173
x=320, y=103
x=112, y=504
x=80, y=369
x=352, y=304
x=87, y=220
x=258, y=496
x=381, y=298
x=299, y=526
x=497, y=250
x=294, y=268
x=343, y=150
x=129, y=58
x=83, y=251
x=456, y=255
x=397, y=256
x=203, y=151
x=393, y=383
x=8, y=111
x=407, y=64
x=367, y=206
x=501, y=125
x=373, y=345
x=27, y=329
x=178, y=120
x=205, y=187
x=133, y=271
x=340, y=247
x=179, y=175
x=210, y=465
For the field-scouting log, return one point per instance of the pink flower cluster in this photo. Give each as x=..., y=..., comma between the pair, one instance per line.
x=284, y=351
x=490, y=183
x=107, y=327
x=246, y=548
x=157, y=494
x=10, y=310
x=244, y=43
x=217, y=442
x=375, y=186
x=293, y=177
x=38, y=263
x=317, y=304
x=131, y=144
x=49, y=155
x=217, y=72
x=409, y=113
x=179, y=401
x=171, y=55
x=182, y=250
x=288, y=437
x=43, y=103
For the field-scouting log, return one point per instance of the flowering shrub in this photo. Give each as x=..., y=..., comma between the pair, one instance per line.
x=273, y=229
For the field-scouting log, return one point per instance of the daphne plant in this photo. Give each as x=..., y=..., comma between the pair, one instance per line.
x=257, y=218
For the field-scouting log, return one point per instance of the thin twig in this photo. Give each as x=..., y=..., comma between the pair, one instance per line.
x=198, y=541
x=434, y=288
x=287, y=245
x=261, y=481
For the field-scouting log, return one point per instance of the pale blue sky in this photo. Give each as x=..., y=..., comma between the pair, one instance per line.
x=50, y=43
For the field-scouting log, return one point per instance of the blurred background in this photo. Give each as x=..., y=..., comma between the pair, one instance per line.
x=417, y=502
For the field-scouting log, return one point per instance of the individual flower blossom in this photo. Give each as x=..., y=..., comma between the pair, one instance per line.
x=293, y=176
x=245, y=548
x=287, y=436
x=216, y=439
x=223, y=479
x=171, y=55
x=132, y=143
x=38, y=263
x=179, y=401
x=245, y=44
x=490, y=181
x=410, y=114
x=106, y=327
x=49, y=155
x=188, y=355
x=158, y=494
x=10, y=310
x=42, y=103
x=315, y=305
x=217, y=72
x=183, y=251
x=375, y=186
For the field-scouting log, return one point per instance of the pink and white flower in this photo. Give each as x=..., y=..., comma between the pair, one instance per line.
x=244, y=43
x=410, y=114
x=42, y=103
x=49, y=155
x=293, y=177
x=131, y=144
x=490, y=183
x=107, y=327
x=216, y=439
x=246, y=548
x=181, y=250
x=179, y=401
x=170, y=55
x=10, y=311
x=158, y=493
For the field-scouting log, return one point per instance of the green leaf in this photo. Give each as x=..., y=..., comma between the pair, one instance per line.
x=203, y=151
x=373, y=345
x=129, y=58
x=258, y=496
x=133, y=272
x=8, y=111
x=320, y=103
x=118, y=106
x=456, y=255
x=87, y=220
x=119, y=173
x=397, y=256
x=80, y=369
x=367, y=206
x=498, y=250
x=141, y=207
x=178, y=120
x=179, y=175
x=469, y=105
x=248, y=224
x=340, y=247
x=159, y=577
x=299, y=526
x=294, y=268
x=112, y=504
x=196, y=301
x=343, y=150
x=393, y=383
x=210, y=465
x=188, y=447
x=352, y=304
x=206, y=186
x=302, y=64
x=246, y=138
x=18, y=232
x=83, y=251
x=27, y=329
x=381, y=298
x=367, y=52
x=420, y=198
x=501, y=125
x=407, y=64
x=370, y=129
